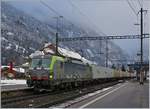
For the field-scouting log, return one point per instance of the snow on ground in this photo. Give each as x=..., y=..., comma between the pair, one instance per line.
x=9, y=46
x=31, y=48
x=12, y=82
x=3, y=39
x=10, y=33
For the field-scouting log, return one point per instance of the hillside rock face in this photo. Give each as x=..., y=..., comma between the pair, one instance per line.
x=22, y=34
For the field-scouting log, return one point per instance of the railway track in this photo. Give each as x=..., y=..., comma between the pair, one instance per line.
x=47, y=99
x=24, y=97
x=16, y=93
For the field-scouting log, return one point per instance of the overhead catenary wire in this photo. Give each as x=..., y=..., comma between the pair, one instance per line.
x=133, y=9
x=49, y=8
x=145, y=24
x=106, y=60
x=83, y=14
x=54, y=11
x=140, y=4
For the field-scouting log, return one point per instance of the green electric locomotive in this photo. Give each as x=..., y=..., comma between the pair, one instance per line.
x=50, y=71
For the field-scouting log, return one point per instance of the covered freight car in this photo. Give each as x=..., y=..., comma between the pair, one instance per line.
x=99, y=72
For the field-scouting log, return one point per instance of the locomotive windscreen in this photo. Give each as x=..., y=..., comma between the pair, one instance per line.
x=41, y=62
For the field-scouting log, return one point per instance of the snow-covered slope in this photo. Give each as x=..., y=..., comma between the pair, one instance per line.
x=23, y=34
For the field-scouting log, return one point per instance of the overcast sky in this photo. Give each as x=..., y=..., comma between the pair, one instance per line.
x=112, y=17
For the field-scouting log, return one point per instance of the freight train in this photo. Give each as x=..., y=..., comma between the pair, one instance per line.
x=50, y=71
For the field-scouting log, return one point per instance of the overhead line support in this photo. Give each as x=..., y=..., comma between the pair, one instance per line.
x=104, y=38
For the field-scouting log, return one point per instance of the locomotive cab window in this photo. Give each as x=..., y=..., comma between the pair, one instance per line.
x=40, y=62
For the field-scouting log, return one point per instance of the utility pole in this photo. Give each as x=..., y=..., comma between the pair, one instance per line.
x=106, y=52
x=141, y=58
x=100, y=45
x=56, y=36
x=141, y=49
x=56, y=43
x=57, y=21
x=141, y=70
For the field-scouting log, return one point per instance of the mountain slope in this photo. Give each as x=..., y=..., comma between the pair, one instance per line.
x=23, y=34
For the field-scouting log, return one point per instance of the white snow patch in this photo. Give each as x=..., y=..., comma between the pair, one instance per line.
x=21, y=70
x=66, y=48
x=3, y=66
x=18, y=69
x=3, y=38
x=68, y=53
x=106, y=88
x=25, y=64
x=12, y=82
x=23, y=49
x=36, y=53
x=31, y=48
x=10, y=33
x=19, y=47
x=16, y=47
x=88, y=62
x=9, y=46
x=47, y=44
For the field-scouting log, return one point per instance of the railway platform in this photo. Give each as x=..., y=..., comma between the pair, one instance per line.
x=125, y=95
x=14, y=87
x=13, y=84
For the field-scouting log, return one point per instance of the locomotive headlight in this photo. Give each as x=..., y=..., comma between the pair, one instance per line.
x=50, y=76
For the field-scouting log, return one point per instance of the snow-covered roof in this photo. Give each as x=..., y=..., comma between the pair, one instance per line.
x=47, y=44
x=25, y=64
x=68, y=53
x=4, y=66
x=21, y=70
x=50, y=49
x=36, y=53
x=18, y=69
x=86, y=61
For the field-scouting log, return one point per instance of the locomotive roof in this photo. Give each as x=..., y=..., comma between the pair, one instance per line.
x=43, y=56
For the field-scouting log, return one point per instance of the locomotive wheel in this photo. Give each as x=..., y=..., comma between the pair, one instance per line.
x=37, y=89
